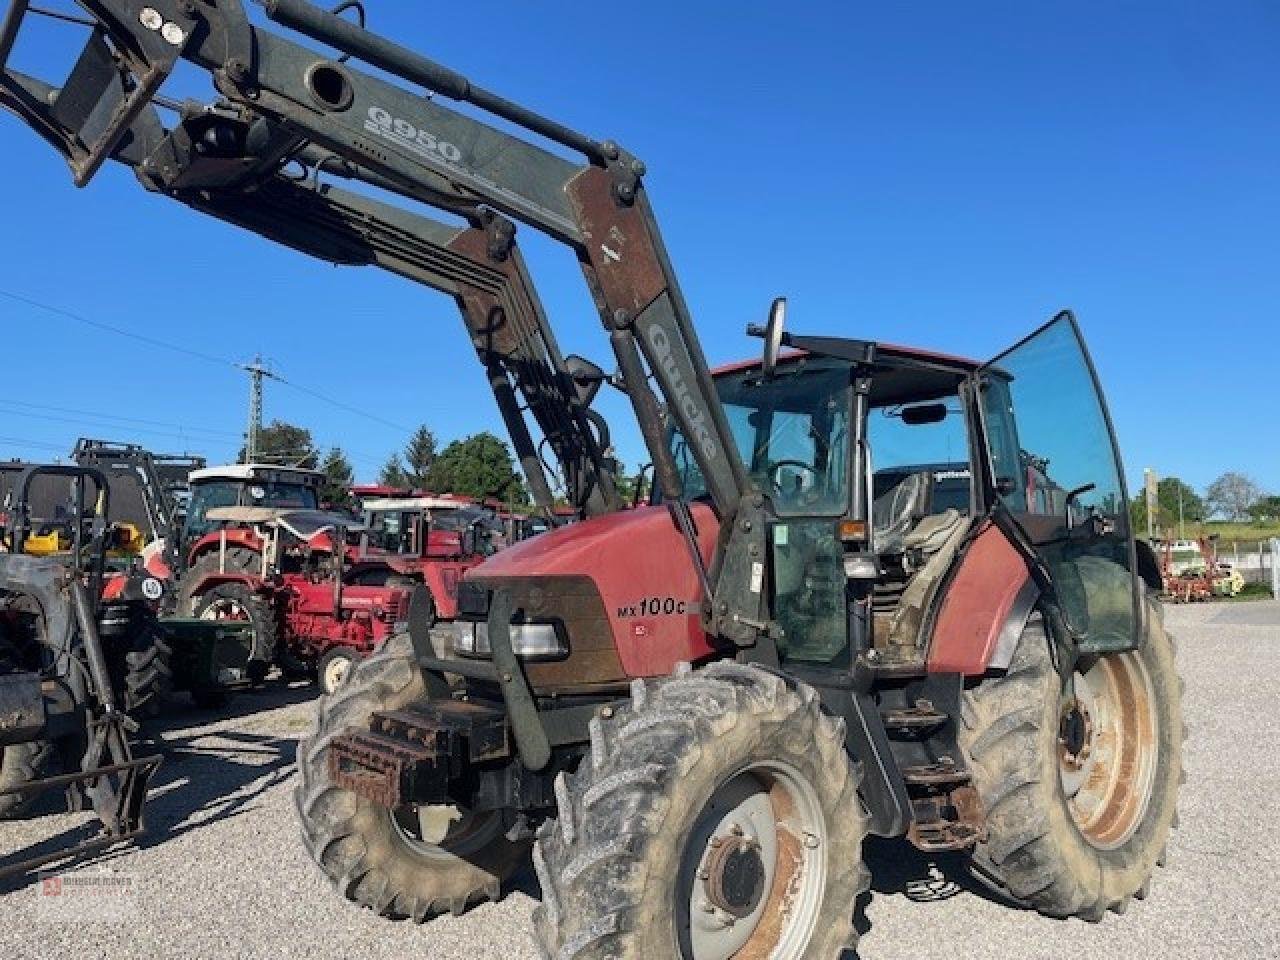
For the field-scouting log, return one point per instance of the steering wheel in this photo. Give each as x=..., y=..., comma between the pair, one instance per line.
x=775, y=466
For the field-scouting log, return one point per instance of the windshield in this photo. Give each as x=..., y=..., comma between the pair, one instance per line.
x=233, y=493
x=392, y=530
x=792, y=432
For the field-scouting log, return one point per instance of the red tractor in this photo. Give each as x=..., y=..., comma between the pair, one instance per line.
x=688, y=716
x=255, y=546
x=427, y=540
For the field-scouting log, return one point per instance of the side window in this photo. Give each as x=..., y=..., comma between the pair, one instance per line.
x=1058, y=472
x=204, y=498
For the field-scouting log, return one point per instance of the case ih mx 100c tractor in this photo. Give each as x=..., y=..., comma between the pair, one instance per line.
x=689, y=714
x=256, y=547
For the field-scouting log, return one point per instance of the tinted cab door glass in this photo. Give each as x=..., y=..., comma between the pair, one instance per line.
x=1057, y=470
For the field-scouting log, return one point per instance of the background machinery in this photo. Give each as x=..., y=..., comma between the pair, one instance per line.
x=255, y=547
x=64, y=684
x=698, y=708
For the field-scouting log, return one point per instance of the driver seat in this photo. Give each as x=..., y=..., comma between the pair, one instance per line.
x=897, y=511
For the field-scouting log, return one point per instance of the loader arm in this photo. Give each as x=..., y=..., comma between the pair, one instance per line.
x=284, y=101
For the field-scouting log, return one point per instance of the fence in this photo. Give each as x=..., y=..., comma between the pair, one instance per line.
x=1255, y=559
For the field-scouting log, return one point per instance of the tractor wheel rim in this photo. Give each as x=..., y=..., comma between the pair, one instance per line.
x=444, y=832
x=335, y=671
x=224, y=608
x=1109, y=747
x=753, y=871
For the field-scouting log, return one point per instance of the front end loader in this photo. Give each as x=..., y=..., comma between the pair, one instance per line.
x=877, y=591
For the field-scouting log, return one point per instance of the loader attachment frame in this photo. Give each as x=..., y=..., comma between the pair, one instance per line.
x=285, y=103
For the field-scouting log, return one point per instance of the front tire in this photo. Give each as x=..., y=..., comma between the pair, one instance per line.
x=1080, y=780
x=716, y=816
x=334, y=667
x=379, y=858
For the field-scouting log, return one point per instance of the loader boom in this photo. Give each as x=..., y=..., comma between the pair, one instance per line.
x=287, y=104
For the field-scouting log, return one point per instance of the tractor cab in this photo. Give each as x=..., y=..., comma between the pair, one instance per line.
x=244, y=485
x=425, y=527
x=884, y=465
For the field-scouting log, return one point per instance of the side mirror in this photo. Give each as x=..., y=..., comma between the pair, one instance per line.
x=772, y=334
x=586, y=377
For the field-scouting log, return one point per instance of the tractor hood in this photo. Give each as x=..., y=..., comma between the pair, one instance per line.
x=640, y=567
x=637, y=539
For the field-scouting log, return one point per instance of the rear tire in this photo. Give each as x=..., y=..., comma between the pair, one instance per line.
x=20, y=764
x=1076, y=826
x=366, y=850
x=235, y=601
x=732, y=766
x=149, y=671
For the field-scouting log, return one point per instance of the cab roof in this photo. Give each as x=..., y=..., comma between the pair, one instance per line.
x=415, y=503
x=254, y=471
x=903, y=374
x=890, y=351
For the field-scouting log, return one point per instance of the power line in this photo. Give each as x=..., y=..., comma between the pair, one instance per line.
x=118, y=331
x=197, y=354
x=342, y=406
x=126, y=421
x=53, y=418
x=37, y=444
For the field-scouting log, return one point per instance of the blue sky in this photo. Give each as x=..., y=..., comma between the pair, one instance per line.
x=942, y=174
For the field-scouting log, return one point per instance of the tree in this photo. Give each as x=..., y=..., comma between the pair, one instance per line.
x=393, y=473
x=419, y=456
x=478, y=466
x=1265, y=509
x=339, y=475
x=285, y=443
x=1231, y=495
x=1169, y=492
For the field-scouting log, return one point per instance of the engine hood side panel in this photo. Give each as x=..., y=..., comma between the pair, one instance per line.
x=641, y=567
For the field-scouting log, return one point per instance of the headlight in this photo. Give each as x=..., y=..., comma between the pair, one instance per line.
x=533, y=641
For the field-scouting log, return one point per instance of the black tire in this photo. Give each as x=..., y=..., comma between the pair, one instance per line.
x=148, y=676
x=613, y=866
x=1035, y=849
x=327, y=662
x=357, y=843
x=291, y=665
x=23, y=763
x=258, y=608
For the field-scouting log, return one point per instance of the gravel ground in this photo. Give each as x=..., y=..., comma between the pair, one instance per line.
x=221, y=872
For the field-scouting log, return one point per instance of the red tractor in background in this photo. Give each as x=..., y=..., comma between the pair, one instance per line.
x=430, y=540
x=256, y=547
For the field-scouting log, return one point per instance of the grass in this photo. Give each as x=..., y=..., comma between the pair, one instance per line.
x=1227, y=532
x=1242, y=532
x=1251, y=591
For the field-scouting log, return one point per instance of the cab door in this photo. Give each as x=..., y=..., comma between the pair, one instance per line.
x=1055, y=468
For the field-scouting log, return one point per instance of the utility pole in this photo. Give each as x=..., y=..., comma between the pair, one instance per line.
x=1151, y=488
x=257, y=371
